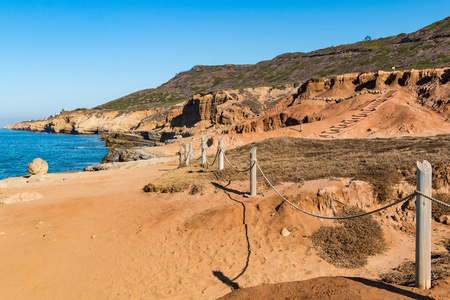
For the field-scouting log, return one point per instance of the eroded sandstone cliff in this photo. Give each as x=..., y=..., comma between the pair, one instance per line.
x=429, y=87
x=255, y=109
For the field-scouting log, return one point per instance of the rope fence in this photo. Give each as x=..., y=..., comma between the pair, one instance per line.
x=431, y=198
x=422, y=193
x=409, y=197
x=220, y=151
x=236, y=169
x=215, y=158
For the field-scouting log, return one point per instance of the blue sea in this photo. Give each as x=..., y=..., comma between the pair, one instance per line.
x=63, y=153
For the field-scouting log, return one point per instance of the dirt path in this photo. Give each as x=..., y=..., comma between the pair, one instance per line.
x=71, y=243
x=98, y=236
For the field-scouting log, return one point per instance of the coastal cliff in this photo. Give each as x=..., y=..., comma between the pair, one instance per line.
x=254, y=109
x=200, y=112
x=283, y=91
x=429, y=87
x=89, y=121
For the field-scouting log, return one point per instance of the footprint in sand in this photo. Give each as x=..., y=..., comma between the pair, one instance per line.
x=165, y=291
x=260, y=260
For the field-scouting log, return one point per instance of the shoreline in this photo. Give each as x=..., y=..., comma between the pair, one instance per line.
x=62, y=153
x=27, y=179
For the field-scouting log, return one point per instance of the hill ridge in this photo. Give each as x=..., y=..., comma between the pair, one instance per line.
x=426, y=47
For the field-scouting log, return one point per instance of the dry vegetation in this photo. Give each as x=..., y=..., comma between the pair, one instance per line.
x=349, y=245
x=404, y=274
x=439, y=210
x=193, y=177
x=427, y=47
x=381, y=162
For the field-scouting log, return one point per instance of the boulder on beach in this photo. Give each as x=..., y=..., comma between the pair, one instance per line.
x=38, y=166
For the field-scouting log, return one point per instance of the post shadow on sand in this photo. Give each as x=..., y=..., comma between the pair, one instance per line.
x=231, y=282
x=390, y=288
x=298, y=130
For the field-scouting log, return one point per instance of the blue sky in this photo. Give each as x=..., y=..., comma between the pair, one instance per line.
x=66, y=54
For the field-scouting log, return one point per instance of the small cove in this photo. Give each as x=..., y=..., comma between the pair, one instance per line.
x=63, y=153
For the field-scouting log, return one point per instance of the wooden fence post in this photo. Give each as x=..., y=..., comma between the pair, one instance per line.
x=423, y=226
x=203, y=150
x=220, y=158
x=186, y=155
x=253, y=172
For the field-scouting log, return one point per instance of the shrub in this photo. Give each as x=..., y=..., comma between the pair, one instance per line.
x=351, y=243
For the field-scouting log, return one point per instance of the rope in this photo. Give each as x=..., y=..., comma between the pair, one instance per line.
x=334, y=218
x=236, y=169
x=217, y=154
x=192, y=156
x=432, y=199
x=192, y=152
x=407, y=198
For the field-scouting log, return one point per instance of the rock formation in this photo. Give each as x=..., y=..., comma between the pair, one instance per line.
x=38, y=166
x=429, y=86
x=254, y=109
x=120, y=139
x=121, y=155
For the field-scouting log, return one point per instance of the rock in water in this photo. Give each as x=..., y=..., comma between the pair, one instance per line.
x=38, y=166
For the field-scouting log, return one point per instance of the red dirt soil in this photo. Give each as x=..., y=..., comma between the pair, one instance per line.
x=340, y=288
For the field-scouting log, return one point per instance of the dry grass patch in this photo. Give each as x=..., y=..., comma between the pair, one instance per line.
x=404, y=274
x=193, y=177
x=381, y=162
x=350, y=244
x=438, y=210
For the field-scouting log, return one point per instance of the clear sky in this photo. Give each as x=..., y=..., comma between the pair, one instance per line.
x=66, y=54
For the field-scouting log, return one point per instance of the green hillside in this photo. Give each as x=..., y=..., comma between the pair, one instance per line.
x=427, y=47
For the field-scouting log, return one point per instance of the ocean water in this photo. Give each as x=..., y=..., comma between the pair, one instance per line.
x=63, y=153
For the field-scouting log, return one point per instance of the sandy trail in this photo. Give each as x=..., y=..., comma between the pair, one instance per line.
x=70, y=243
x=99, y=236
